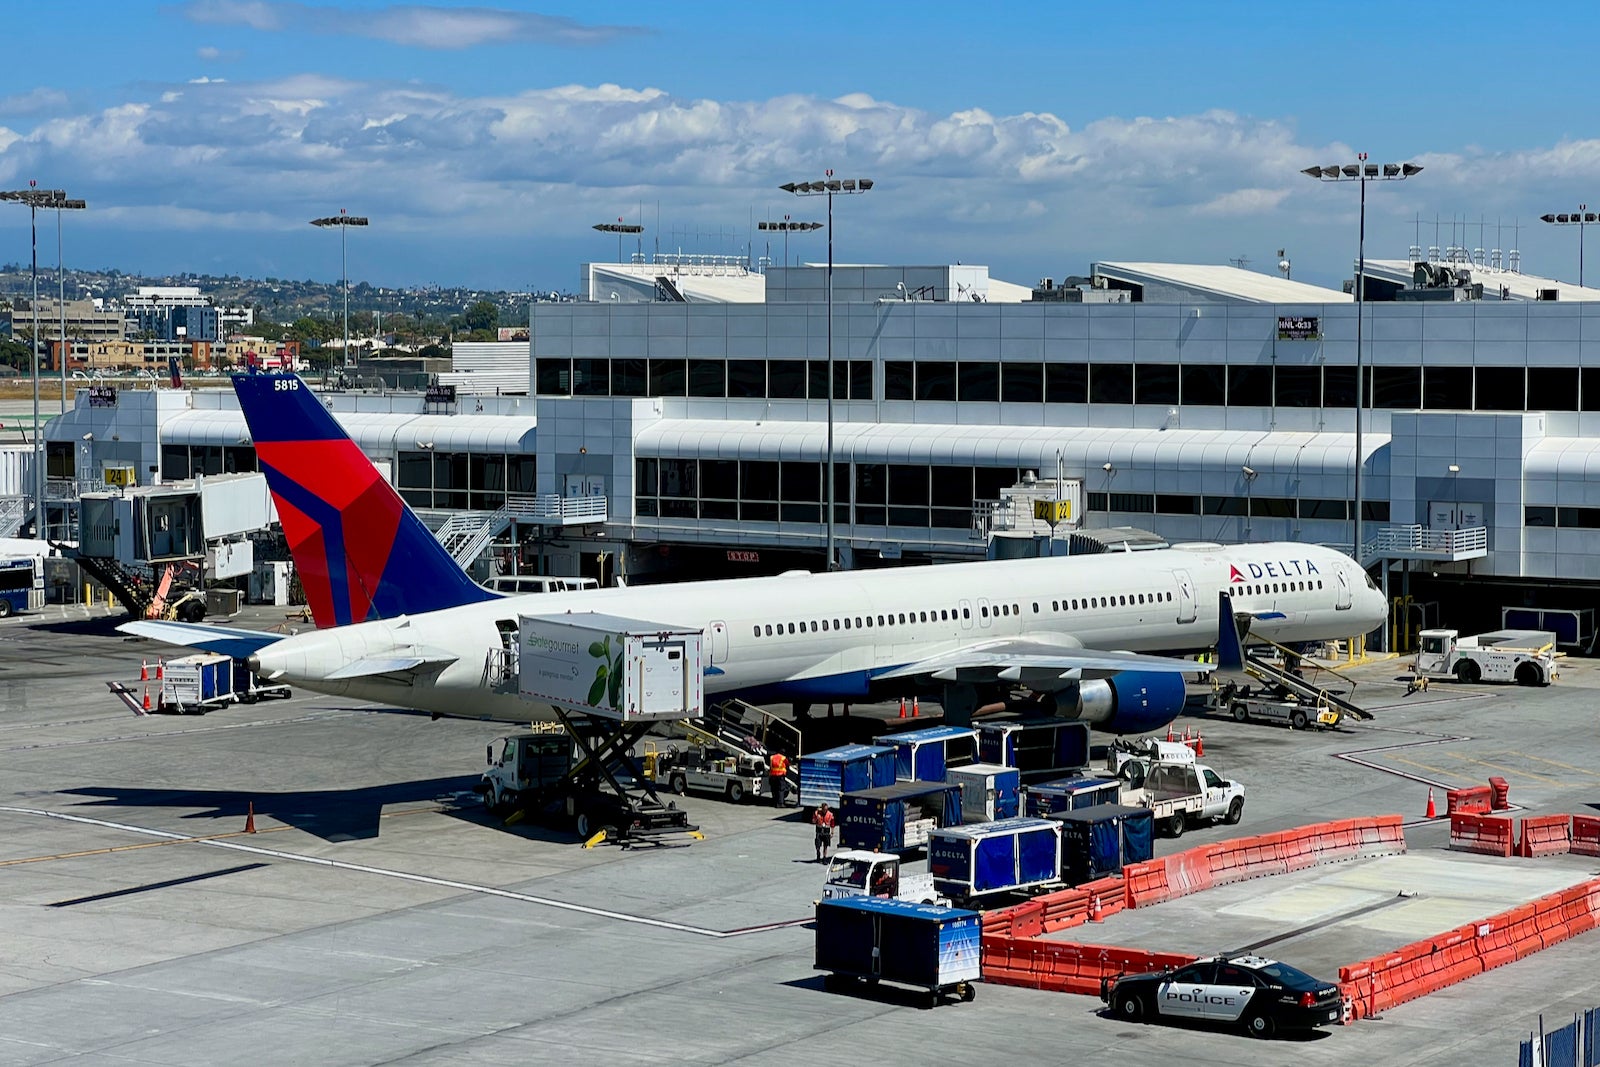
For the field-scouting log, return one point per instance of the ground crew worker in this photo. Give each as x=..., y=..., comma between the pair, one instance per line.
x=823, y=820
x=778, y=775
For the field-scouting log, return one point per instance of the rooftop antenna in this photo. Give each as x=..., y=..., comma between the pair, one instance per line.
x=1283, y=264
x=1514, y=257
x=1241, y=262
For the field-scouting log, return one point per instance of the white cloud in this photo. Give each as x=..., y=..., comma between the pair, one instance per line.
x=410, y=25
x=33, y=102
x=444, y=168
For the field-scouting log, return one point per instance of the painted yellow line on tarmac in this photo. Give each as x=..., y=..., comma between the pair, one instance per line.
x=1424, y=766
x=1563, y=766
x=1506, y=770
x=130, y=848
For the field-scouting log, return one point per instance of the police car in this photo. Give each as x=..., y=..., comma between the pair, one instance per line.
x=1265, y=995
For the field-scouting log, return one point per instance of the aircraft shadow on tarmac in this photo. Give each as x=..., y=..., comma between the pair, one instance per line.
x=331, y=814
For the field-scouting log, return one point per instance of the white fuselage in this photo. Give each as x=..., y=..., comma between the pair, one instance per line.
x=818, y=637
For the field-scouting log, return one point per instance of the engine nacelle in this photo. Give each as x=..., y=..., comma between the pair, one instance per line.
x=1132, y=702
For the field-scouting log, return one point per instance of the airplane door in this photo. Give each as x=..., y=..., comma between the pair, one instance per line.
x=719, y=642
x=966, y=614
x=1186, y=602
x=1341, y=589
x=984, y=613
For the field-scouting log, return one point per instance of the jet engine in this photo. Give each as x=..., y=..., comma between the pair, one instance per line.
x=1132, y=702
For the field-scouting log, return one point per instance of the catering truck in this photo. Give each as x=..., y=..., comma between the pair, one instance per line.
x=1526, y=657
x=622, y=669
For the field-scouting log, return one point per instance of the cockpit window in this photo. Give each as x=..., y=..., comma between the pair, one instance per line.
x=1370, y=583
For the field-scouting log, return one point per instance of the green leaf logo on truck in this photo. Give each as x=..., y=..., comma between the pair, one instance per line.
x=606, y=689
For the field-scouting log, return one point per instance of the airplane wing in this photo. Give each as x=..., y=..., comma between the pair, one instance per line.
x=1011, y=658
x=225, y=640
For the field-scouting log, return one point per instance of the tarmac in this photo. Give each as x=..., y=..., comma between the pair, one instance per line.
x=380, y=915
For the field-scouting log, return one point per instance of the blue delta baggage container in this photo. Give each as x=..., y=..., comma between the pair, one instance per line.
x=988, y=792
x=925, y=755
x=197, y=680
x=897, y=818
x=1096, y=842
x=825, y=776
x=998, y=857
x=1070, y=794
x=1039, y=748
x=936, y=949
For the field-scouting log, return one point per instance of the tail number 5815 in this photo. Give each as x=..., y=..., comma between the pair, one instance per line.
x=286, y=384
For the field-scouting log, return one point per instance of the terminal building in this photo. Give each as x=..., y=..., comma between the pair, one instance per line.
x=683, y=430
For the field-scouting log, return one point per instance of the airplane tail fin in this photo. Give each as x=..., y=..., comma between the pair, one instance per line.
x=360, y=551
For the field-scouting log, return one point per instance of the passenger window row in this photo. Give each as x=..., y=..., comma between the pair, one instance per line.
x=862, y=622
x=1267, y=588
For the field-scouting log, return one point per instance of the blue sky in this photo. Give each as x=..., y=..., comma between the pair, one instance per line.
x=483, y=140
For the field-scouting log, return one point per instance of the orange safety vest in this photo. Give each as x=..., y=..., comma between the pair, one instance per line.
x=780, y=765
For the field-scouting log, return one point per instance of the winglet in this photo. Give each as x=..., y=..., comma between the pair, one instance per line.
x=1230, y=652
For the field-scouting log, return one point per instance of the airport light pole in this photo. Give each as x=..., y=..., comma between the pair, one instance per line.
x=36, y=198
x=344, y=221
x=828, y=187
x=1579, y=218
x=1361, y=172
x=619, y=228
x=789, y=227
x=61, y=296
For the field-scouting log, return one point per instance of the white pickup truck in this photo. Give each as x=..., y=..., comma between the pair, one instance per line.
x=859, y=873
x=1178, y=791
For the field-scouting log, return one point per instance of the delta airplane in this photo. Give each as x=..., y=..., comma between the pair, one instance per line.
x=399, y=623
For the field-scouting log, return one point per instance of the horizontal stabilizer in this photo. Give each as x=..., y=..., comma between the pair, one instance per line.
x=223, y=640
x=375, y=665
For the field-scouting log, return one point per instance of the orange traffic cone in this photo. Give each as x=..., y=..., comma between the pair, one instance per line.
x=1433, y=813
x=147, y=699
x=1169, y=731
x=1094, y=907
x=144, y=670
x=915, y=708
x=902, y=707
x=250, y=819
x=160, y=670
x=1199, y=744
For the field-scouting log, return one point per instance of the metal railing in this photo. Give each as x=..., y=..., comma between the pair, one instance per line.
x=1424, y=540
x=556, y=506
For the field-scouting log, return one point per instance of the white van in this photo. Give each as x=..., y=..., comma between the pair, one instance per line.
x=517, y=584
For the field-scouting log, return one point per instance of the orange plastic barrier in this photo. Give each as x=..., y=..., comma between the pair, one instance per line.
x=1106, y=896
x=1491, y=835
x=1586, y=835
x=1545, y=835
x=1475, y=801
x=1499, y=793
x=1066, y=967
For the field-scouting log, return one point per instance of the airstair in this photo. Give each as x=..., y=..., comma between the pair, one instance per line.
x=1294, y=674
x=465, y=534
x=14, y=515
x=746, y=729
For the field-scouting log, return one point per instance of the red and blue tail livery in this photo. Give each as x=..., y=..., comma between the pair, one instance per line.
x=360, y=552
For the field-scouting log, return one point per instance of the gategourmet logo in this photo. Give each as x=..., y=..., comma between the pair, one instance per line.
x=1278, y=568
x=549, y=644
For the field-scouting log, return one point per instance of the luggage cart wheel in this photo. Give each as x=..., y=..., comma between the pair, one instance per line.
x=967, y=991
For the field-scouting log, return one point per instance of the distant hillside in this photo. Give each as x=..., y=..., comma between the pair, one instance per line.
x=281, y=300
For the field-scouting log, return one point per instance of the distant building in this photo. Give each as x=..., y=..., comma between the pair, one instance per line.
x=152, y=356
x=171, y=313
x=85, y=322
